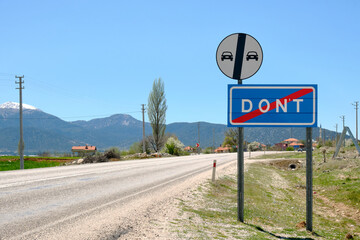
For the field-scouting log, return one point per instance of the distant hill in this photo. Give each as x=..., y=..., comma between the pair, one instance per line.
x=45, y=132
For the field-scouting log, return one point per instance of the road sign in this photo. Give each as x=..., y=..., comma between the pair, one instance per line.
x=272, y=105
x=197, y=145
x=239, y=56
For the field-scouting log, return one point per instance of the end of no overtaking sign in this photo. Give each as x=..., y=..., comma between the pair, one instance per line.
x=272, y=105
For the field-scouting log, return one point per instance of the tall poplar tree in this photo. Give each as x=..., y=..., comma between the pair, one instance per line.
x=156, y=110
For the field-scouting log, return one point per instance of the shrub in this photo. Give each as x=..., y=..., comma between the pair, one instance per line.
x=329, y=143
x=289, y=149
x=173, y=146
x=208, y=150
x=170, y=148
x=253, y=146
x=112, y=152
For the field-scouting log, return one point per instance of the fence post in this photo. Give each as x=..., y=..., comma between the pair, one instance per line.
x=214, y=170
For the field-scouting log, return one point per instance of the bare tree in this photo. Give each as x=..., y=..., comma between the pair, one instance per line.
x=157, y=113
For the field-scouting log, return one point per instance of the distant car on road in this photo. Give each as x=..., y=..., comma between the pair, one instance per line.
x=227, y=55
x=304, y=149
x=252, y=55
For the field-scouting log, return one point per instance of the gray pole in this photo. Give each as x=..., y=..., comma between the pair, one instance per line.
x=143, y=117
x=343, y=119
x=21, y=141
x=240, y=171
x=309, y=180
x=213, y=148
x=356, y=107
x=199, y=137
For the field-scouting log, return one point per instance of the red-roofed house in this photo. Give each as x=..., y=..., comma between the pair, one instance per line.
x=223, y=149
x=290, y=142
x=82, y=150
x=188, y=149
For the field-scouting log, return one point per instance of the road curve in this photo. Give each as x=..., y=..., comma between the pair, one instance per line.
x=49, y=203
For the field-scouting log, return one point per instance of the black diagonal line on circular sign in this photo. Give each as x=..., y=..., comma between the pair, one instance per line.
x=239, y=56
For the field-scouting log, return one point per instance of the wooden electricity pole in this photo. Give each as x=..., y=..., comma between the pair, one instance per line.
x=21, y=141
x=143, y=118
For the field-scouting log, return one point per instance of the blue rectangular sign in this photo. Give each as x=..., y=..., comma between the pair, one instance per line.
x=272, y=105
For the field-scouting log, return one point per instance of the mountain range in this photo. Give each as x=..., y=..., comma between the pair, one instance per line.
x=46, y=132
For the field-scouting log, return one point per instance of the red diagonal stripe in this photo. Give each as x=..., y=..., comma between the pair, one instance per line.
x=257, y=112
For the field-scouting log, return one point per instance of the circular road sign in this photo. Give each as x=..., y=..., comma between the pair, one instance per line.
x=239, y=56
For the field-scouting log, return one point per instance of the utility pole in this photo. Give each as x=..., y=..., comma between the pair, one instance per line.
x=21, y=141
x=199, y=137
x=143, y=116
x=343, y=119
x=213, y=148
x=356, y=104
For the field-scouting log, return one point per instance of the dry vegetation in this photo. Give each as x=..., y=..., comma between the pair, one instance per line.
x=275, y=200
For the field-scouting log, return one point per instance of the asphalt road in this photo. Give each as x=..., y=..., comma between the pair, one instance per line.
x=49, y=203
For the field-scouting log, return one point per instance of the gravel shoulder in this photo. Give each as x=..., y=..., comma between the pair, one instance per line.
x=156, y=221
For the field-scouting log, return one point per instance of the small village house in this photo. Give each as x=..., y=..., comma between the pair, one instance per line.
x=188, y=149
x=290, y=142
x=83, y=150
x=223, y=149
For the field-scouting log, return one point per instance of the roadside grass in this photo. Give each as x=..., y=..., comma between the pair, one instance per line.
x=13, y=162
x=15, y=165
x=2, y=158
x=284, y=154
x=275, y=204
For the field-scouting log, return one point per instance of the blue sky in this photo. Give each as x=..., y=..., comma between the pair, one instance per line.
x=89, y=59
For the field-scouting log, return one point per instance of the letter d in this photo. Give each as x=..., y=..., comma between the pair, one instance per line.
x=243, y=105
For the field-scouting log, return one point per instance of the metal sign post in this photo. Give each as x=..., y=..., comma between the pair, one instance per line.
x=309, y=180
x=240, y=169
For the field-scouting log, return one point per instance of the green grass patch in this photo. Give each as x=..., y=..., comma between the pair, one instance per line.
x=275, y=202
x=15, y=164
x=282, y=155
x=35, y=157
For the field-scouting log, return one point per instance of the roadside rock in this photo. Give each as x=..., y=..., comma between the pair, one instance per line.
x=349, y=236
x=301, y=225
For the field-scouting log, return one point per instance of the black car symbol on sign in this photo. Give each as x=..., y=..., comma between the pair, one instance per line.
x=252, y=55
x=226, y=55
